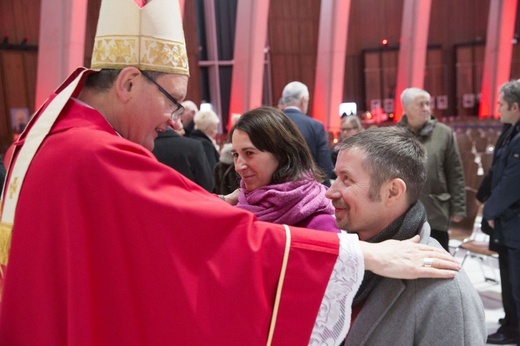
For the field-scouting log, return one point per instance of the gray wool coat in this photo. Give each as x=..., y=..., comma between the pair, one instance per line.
x=421, y=312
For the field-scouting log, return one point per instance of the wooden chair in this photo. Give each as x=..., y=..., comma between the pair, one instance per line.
x=477, y=247
x=467, y=235
x=481, y=144
x=459, y=231
x=486, y=159
x=464, y=142
x=471, y=173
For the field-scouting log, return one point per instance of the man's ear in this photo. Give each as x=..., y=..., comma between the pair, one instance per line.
x=395, y=190
x=125, y=83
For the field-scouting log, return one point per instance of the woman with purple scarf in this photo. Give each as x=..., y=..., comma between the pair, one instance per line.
x=280, y=181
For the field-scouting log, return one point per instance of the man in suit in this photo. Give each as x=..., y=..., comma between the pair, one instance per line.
x=380, y=176
x=502, y=209
x=295, y=99
x=186, y=156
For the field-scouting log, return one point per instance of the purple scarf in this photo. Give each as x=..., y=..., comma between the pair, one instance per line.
x=286, y=203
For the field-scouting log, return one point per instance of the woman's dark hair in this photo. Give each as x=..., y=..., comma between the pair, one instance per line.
x=272, y=131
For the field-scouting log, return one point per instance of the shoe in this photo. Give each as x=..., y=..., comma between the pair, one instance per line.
x=501, y=339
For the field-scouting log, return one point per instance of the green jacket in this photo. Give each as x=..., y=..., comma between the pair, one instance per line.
x=444, y=193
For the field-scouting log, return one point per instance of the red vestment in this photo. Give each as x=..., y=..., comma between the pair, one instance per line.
x=110, y=247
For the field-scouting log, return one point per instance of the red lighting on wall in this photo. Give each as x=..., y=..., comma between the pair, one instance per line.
x=384, y=42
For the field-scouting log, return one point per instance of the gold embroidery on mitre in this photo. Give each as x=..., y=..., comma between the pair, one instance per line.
x=115, y=52
x=155, y=54
x=6, y=230
x=164, y=55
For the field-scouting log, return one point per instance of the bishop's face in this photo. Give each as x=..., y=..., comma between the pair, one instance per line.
x=151, y=110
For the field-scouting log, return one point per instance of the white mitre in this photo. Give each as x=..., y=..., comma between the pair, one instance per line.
x=150, y=37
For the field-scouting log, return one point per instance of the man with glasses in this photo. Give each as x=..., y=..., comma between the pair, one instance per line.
x=350, y=125
x=101, y=244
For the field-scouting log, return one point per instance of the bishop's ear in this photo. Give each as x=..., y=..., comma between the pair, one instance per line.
x=127, y=81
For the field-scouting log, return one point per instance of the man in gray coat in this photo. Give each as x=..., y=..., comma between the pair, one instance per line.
x=443, y=195
x=381, y=173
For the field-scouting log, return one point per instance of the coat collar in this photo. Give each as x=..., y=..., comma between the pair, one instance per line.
x=380, y=301
x=425, y=131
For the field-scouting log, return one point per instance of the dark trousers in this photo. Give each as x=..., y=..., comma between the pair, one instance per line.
x=511, y=317
x=442, y=237
x=514, y=272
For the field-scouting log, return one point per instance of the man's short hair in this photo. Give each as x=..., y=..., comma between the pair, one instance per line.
x=293, y=93
x=389, y=153
x=190, y=106
x=104, y=79
x=511, y=92
x=409, y=94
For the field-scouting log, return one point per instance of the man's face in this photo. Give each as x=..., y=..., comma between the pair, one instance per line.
x=509, y=114
x=304, y=105
x=151, y=110
x=355, y=211
x=418, y=112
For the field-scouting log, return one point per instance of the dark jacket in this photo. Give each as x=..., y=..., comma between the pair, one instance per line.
x=186, y=156
x=444, y=193
x=226, y=178
x=316, y=138
x=484, y=190
x=188, y=129
x=210, y=150
x=503, y=205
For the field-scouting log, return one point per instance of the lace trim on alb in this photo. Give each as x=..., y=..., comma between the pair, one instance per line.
x=333, y=320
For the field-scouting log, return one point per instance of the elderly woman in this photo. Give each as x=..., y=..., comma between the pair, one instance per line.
x=205, y=131
x=350, y=125
x=280, y=181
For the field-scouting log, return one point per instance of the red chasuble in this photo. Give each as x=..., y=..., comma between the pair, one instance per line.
x=110, y=247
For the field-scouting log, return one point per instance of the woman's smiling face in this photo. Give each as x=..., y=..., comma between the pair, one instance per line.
x=255, y=167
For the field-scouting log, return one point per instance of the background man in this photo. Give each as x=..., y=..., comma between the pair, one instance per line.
x=443, y=195
x=502, y=207
x=295, y=100
x=190, y=109
x=380, y=175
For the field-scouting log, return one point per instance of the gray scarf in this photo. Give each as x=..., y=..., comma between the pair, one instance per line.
x=405, y=227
